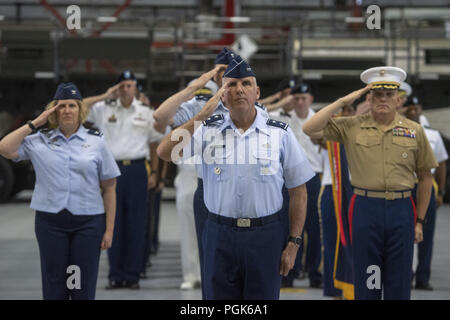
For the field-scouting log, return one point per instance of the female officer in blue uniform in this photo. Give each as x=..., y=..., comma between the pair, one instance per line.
x=75, y=187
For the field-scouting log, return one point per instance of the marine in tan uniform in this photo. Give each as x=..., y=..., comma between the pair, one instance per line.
x=385, y=153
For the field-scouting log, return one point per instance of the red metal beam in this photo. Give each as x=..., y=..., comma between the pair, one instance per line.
x=56, y=14
x=226, y=40
x=115, y=14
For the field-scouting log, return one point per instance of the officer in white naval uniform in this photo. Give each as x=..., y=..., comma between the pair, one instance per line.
x=128, y=130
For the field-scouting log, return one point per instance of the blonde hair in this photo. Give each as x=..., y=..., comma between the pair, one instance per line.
x=82, y=114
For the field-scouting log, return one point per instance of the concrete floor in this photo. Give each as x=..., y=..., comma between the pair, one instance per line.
x=20, y=269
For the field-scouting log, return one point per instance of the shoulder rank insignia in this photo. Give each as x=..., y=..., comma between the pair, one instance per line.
x=404, y=132
x=276, y=123
x=95, y=132
x=203, y=97
x=212, y=119
x=259, y=105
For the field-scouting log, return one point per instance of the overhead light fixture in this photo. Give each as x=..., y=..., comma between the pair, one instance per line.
x=354, y=20
x=107, y=19
x=239, y=19
x=428, y=76
x=207, y=18
x=44, y=75
x=140, y=76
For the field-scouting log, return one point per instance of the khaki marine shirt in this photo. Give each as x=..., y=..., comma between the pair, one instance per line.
x=382, y=159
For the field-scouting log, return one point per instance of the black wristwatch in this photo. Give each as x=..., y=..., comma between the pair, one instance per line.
x=421, y=221
x=297, y=240
x=32, y=127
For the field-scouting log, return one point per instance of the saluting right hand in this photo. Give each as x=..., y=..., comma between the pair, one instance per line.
x=204, y=78
x=211, y=105
x=351, y=97
x=112, y=93
x=42, y=118
x=286, y=100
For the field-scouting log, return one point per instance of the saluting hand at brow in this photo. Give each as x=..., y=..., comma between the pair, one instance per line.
x=42, y=118
x=351, y=97
x=204, y=78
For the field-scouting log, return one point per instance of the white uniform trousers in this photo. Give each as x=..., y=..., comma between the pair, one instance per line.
x=185, y=185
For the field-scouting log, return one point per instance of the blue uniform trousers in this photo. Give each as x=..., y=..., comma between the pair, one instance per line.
x=382, y=234
x=242, y=262
x=312, y=228
x=329, y=234
x=64, y=240
x=289, y=279
x=200, y=216
x=155, y=202
x=128, y=248
x=152, y=225
x=425, y=248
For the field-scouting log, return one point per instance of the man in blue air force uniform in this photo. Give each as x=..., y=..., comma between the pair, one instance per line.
x=245, y=160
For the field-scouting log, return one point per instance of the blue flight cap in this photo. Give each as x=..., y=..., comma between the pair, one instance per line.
x=412, y=101
x=302, y=88
x=238, y=68
x=225, y=56
x=126, y=75
x=66, y=91
x=285, y=84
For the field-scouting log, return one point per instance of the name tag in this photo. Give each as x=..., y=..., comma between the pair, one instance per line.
x=112, y=119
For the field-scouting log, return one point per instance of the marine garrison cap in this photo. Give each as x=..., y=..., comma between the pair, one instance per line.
x=125, y=75
x=238, y=68
x=225, y=56
x=302, y=88
x=384, y=77
x=66, y=91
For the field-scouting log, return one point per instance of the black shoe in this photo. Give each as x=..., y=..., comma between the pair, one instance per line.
x=132, y=285
x=287, y=284
x=114, y=285
x=301, y=275
x=316, y=284
x=420, y=285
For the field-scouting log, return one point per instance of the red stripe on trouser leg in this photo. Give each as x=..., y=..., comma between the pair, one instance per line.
x=350, y=215
x=414, y=209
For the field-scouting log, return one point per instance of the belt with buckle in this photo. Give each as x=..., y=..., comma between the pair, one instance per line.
x=130, y=162
x=387, y=195
x=244, y=222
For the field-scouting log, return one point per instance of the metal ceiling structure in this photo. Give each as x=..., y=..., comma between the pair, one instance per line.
x=170, y=42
